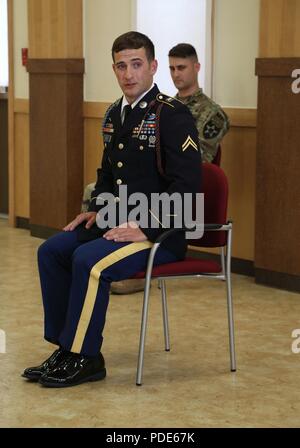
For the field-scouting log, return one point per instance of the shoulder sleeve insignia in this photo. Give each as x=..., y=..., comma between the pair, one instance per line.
x=110, y=108
x=211, y=129
x=189, y=142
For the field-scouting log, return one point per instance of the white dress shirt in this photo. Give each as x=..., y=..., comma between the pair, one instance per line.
x=125, y=102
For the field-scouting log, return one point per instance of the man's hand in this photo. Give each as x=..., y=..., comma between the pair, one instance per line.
x=127, y=232
x=90, y=217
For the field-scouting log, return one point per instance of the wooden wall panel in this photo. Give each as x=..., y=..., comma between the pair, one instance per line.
x=277, y=249
x=55, y=29
x=278, y=162
x=3, y=153
x=56, y=141
x=238, y=162
x=279, y=28
x=93, y=148
x=21, y=106
x=21, y=165
x=11, y=115
x=241, y=118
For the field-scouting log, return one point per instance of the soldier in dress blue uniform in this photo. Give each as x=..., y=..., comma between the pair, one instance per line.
x=153, y=149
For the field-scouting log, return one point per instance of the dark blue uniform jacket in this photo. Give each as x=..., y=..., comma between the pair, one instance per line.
x=149, y=155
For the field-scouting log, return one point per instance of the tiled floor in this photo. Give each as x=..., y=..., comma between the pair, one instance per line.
x=189, y=387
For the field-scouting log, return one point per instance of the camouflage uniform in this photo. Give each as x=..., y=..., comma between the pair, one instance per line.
x=87, y=197
x=211, y=121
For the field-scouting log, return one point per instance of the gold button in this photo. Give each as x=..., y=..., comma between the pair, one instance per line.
x=121, y=146
x=119, y=181
x=120, y=164
x=117, y=199
x=141, y=148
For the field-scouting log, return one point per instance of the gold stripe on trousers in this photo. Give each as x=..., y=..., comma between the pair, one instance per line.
x=90, y=298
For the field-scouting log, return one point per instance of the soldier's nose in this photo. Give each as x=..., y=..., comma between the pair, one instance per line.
x=128, y=74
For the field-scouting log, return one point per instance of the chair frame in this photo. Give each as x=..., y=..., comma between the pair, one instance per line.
x=224, y=276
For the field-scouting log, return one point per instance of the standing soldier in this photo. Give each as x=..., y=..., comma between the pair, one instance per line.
x=211, y=120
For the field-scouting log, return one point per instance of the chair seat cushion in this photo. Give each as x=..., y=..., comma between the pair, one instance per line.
x=188, y=266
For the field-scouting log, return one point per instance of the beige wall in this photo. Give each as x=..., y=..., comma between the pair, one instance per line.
x=103, y=21
x=20, y=41
x=236, y=41
x=236, y=45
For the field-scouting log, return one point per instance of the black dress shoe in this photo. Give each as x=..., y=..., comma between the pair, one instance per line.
x=74, y=370
x=34, y=373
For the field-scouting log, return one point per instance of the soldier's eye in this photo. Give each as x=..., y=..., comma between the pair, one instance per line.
x=121, y=67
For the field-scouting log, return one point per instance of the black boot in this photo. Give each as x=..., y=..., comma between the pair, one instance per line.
x=34, y=373
x=74, y=370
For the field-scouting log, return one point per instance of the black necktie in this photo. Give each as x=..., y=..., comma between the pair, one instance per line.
x=127, y=111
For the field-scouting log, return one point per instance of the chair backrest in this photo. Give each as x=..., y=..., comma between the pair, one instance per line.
x=215, y=189
x=217, y=159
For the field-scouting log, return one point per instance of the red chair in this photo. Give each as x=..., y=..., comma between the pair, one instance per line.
x=217, y=233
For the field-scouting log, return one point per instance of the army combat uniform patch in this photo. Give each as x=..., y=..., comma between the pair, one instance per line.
x=211, y=121
x=213, y=127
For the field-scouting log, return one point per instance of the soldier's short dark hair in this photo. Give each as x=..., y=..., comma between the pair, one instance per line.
x=183, y=51
x=134, y=40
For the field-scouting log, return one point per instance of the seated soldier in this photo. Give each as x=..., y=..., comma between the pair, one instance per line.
x=77, y=266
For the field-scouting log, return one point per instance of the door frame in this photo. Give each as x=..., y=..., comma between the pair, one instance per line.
x=11, y=117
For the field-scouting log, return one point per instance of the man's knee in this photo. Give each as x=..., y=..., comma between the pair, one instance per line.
x=59, y=246
x=44, y=250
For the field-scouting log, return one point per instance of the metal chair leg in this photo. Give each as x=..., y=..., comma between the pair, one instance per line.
x=140, y=366
x=165, y=315
x=223, y=261
x=230, y=305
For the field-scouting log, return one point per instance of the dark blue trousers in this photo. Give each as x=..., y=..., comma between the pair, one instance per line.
x=75, y=281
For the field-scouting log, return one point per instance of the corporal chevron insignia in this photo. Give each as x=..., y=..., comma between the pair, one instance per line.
x=189, y=142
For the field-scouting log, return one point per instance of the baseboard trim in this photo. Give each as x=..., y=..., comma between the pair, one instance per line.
x=279, y=280
x=238, y=265
x=42, y=232
x=35, y=230
x=22, y=223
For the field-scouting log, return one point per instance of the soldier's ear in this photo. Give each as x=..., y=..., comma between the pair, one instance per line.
x=197, y=66
x=154, y=65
